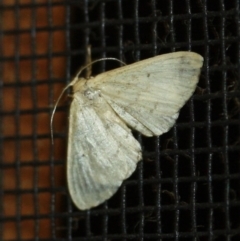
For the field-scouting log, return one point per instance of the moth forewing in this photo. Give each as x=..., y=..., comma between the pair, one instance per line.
x=145, y=96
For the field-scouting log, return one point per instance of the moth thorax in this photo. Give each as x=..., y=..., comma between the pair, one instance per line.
x=91, y=94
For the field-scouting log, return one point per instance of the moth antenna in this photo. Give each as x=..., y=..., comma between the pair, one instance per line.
x=72, y=83
x=95, y=61
x=54, y=110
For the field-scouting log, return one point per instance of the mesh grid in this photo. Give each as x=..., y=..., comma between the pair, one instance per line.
x=186, y=187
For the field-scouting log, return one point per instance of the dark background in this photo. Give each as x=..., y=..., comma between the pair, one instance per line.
x=186, y=187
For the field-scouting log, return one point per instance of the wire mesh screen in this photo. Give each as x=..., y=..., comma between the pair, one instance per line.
x=187, y=185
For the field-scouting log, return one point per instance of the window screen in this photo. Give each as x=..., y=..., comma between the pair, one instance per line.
x=187, y=185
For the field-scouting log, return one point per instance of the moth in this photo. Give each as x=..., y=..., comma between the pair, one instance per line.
x=145, y=96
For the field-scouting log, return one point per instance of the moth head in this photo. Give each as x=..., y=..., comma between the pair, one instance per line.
x=79, y=85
